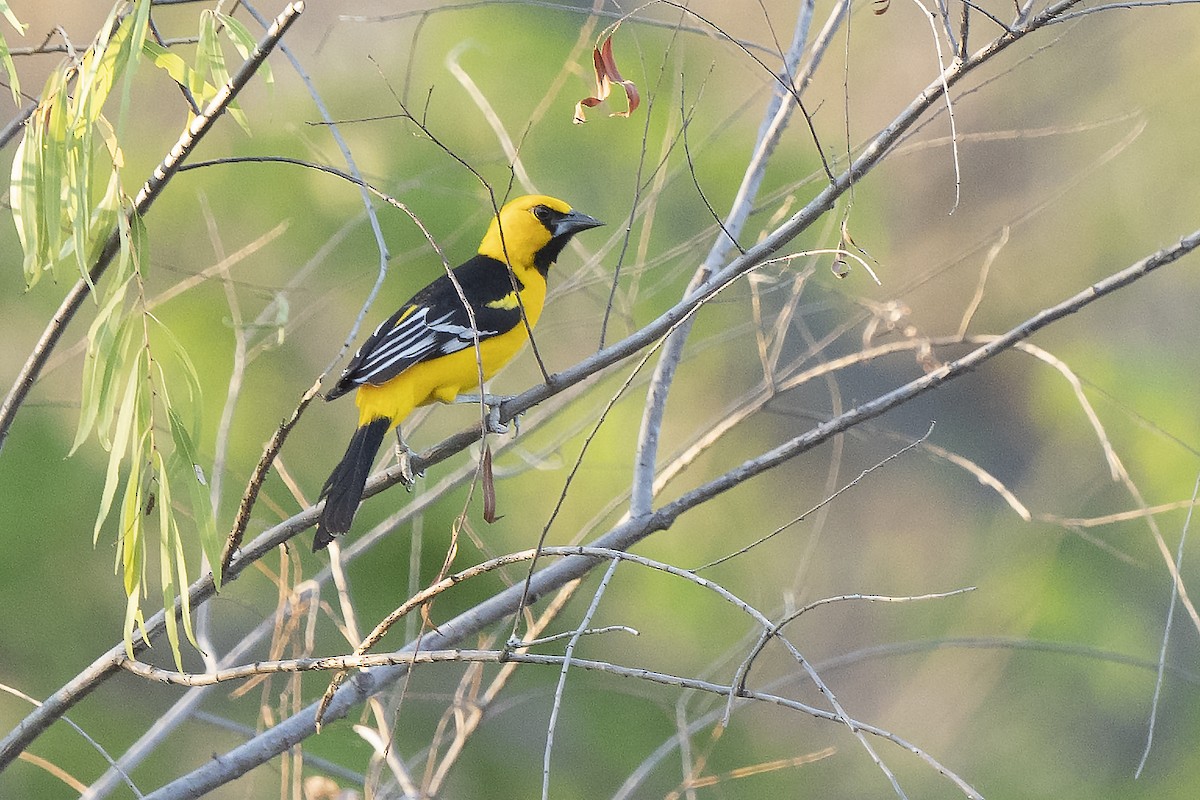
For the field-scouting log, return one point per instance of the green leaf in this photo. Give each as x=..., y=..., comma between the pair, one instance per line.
x=11, y=17
x=178, y=69
x=210, y=60
x=141, y=27
x=115, y=358
x=185, y=601
x=133, y=532
x=22, y=196
x=133, y=615
x=14, y=81
x=186, y=469
x=78, y=201
x=100, y=67
x=105, y=216
x=244, y=42
x=139, y=242
x=208, y=53
x=166, y=558
x=120, y=446
x=106, y=338
x=188, y=372
x=54, y=158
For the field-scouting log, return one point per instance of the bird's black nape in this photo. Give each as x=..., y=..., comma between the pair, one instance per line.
x=343, y=490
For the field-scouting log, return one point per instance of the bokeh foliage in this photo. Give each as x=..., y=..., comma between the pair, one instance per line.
x=1052, y=148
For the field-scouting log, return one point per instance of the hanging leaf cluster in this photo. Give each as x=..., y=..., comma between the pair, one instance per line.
x=140, y=395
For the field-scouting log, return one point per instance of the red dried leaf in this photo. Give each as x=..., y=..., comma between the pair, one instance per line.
x=607, y=75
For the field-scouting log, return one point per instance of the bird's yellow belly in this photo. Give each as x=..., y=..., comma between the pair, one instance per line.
x=441, y=379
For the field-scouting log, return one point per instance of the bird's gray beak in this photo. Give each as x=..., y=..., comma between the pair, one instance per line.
x=573, y=222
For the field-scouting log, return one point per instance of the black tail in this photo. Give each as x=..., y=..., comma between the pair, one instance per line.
x=343, y=491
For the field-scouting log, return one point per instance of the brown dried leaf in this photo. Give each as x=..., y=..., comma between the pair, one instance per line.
x=881, y=7
x=489, y=487
x=607, y=74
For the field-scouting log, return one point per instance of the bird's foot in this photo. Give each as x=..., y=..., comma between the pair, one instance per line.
x=404, y=457
x=493, y=403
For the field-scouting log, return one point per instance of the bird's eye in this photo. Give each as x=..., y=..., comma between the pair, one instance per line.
x=543, y=214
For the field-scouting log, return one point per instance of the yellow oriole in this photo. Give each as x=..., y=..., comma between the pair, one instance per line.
x=426, y=350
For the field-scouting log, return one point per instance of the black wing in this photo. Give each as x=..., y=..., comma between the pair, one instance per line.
x=434, y=323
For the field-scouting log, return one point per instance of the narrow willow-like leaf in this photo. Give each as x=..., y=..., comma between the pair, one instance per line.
x=133, y=614
x=113, y=319
x=210, y=60
x=104, y=352
x=141, y=28
x=123, y=265
x=55, y=157
x=22, y=197
x=208, y=52
x=166, y=556
x=77, y=152
x=10, y=69
x=243, y=41
x=117, y=451
x=179, y=561
x=123, y=329
x=102, y=65
x=183, y=468
x=178, y=69
x=37, y=203
x=139, y=242
x=186, y=470
x=37, y=256
x=12, y=18
x=188, y=373
x=105, y=215
x=14, y=81
x=182, y=577
x=133, y=532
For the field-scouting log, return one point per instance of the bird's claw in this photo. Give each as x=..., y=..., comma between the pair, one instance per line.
x=492, y=423
x=493, y=420
x=404, y=457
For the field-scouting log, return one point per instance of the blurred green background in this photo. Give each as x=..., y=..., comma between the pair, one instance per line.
x=1081, y=142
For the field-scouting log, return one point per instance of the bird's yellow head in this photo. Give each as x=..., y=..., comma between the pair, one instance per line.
x=530, y=231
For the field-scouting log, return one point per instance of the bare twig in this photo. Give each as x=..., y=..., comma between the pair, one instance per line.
x=1162, y=651
x=973, y=306
x=568, y=654
x=826, y=501
x=743, y=670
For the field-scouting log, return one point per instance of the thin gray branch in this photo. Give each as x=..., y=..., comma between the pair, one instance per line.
x=775, y=120
x=1162, y=652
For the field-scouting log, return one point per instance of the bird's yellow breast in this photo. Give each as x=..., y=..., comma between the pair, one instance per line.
x=444, y=378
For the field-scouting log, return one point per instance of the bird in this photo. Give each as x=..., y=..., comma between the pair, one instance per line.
x=425, y=352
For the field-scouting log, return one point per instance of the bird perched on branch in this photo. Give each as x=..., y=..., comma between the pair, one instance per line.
x=426, y=351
